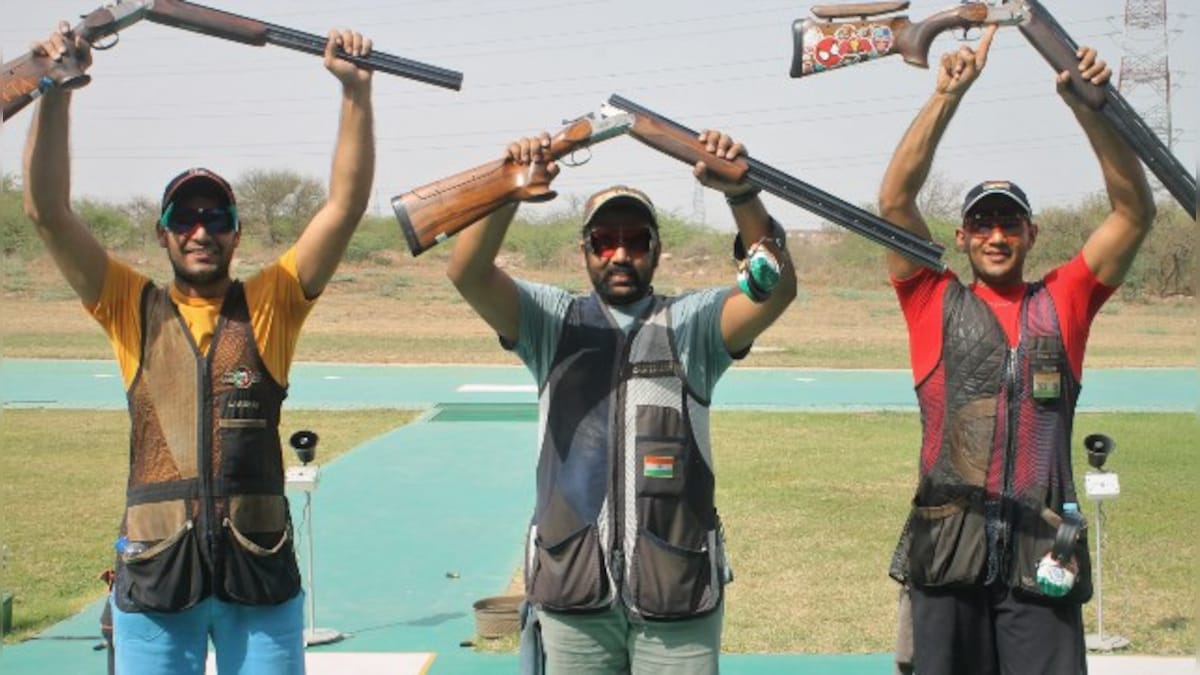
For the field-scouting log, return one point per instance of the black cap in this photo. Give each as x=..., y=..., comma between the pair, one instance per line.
x=996, y=187
x=198, y=181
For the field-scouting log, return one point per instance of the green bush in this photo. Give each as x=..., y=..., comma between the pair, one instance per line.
x=109, y=223
x=374, y=234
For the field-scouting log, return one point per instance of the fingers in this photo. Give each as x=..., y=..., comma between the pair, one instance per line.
x=56, y=45
x=351, y=42
x=1091, y=68
x=985, y=45
x=720, y=144
x=531, y=149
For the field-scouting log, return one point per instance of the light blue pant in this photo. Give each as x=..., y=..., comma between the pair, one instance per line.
x=264, y=640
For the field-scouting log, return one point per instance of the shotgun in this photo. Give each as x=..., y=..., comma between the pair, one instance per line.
x=849, y=34
x=681, y=143
x=435, y=212
x=25, y=78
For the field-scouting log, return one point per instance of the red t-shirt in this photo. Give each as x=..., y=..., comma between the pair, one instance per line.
x=1077, y=293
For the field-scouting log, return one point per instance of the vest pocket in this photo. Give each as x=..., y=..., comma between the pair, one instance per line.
x=671, y=582
x=167, y=576
x=568, y=574
x=260, y=561
x=1035, y=536
x=947, y=544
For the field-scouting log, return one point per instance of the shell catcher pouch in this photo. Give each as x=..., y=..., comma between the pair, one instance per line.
x=758, y=269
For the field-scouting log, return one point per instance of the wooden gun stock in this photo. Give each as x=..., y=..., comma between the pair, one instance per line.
x=27, y=77
x=435, y=212
x=680, y=143
x=820, y=46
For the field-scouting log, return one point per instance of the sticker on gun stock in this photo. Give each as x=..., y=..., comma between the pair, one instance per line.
x=850, y=43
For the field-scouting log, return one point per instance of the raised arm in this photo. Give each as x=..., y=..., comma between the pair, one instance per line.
x=742, y=319
x=489, y=290
x=1111, y=248
x=324, y=240
x=913, y=157
x=47, y=166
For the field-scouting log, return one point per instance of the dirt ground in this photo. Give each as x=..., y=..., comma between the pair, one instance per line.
x=396, y=309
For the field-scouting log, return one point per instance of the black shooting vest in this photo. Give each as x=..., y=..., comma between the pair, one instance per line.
x=624, y=481
x=205, y=507
x=995, y=465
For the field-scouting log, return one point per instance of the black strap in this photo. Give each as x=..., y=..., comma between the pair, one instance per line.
x=1067, y=535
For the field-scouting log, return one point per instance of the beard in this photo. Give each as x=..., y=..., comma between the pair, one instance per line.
x=632, y=291
x=204, y=277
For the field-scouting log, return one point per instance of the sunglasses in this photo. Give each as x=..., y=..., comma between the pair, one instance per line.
x=982, y=225
x=185, y=220
x=636, y=242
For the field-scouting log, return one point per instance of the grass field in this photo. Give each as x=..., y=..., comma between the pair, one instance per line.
x=62, y=487
x=811, y=508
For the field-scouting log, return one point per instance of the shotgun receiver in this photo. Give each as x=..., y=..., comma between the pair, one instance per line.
x=681, y=143
x=849, y=34
x=433, y=213
x=24, y=79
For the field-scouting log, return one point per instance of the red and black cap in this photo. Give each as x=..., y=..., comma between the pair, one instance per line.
x=198, y=181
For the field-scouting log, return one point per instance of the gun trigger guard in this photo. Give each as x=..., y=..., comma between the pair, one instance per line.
x=101, y=45
x=542, y=196
x=572, y=161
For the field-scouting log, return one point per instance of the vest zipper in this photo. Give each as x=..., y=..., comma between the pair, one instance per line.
x=204, y=462
x=621, y=457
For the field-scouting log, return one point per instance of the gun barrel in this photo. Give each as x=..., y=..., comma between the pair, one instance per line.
x=379, y=61
x=227, y=25
x=1053, y=42
x=819, y=202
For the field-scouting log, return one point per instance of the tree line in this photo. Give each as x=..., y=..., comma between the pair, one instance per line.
x=275, y=205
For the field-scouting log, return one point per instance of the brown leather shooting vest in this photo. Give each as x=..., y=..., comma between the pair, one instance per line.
x=205, y=506
x=995, y=469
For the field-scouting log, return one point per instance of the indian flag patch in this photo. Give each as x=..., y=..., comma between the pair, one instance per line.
x=656, y=466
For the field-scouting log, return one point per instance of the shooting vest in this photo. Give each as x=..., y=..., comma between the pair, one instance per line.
x=205, y=507
x=624, y=481
x=995, y=466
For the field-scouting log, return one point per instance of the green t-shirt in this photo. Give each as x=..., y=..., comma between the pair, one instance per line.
x=695, y=320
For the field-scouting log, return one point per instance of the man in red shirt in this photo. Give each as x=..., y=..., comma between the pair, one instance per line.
x=997, y=366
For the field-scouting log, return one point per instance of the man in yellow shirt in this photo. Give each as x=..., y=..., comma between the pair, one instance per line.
x=204, y=549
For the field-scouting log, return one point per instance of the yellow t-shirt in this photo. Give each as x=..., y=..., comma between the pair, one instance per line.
x=276, y=300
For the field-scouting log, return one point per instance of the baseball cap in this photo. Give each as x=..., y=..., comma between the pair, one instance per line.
x=1005, y=188
x=618, y=194
x=198, y=181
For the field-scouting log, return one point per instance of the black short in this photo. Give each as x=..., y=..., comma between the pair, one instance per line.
x=992, y=631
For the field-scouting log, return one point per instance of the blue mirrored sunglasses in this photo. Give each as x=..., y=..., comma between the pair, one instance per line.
x=183, y=220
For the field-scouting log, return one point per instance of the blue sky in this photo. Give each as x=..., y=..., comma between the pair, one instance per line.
x=165, y=99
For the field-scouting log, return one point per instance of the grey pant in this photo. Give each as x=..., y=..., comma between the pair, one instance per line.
x=608, y=642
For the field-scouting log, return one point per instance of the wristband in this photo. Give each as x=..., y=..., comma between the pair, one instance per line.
x=738, y=200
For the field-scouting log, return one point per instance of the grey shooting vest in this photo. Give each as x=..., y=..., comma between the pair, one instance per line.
x=624, y=480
